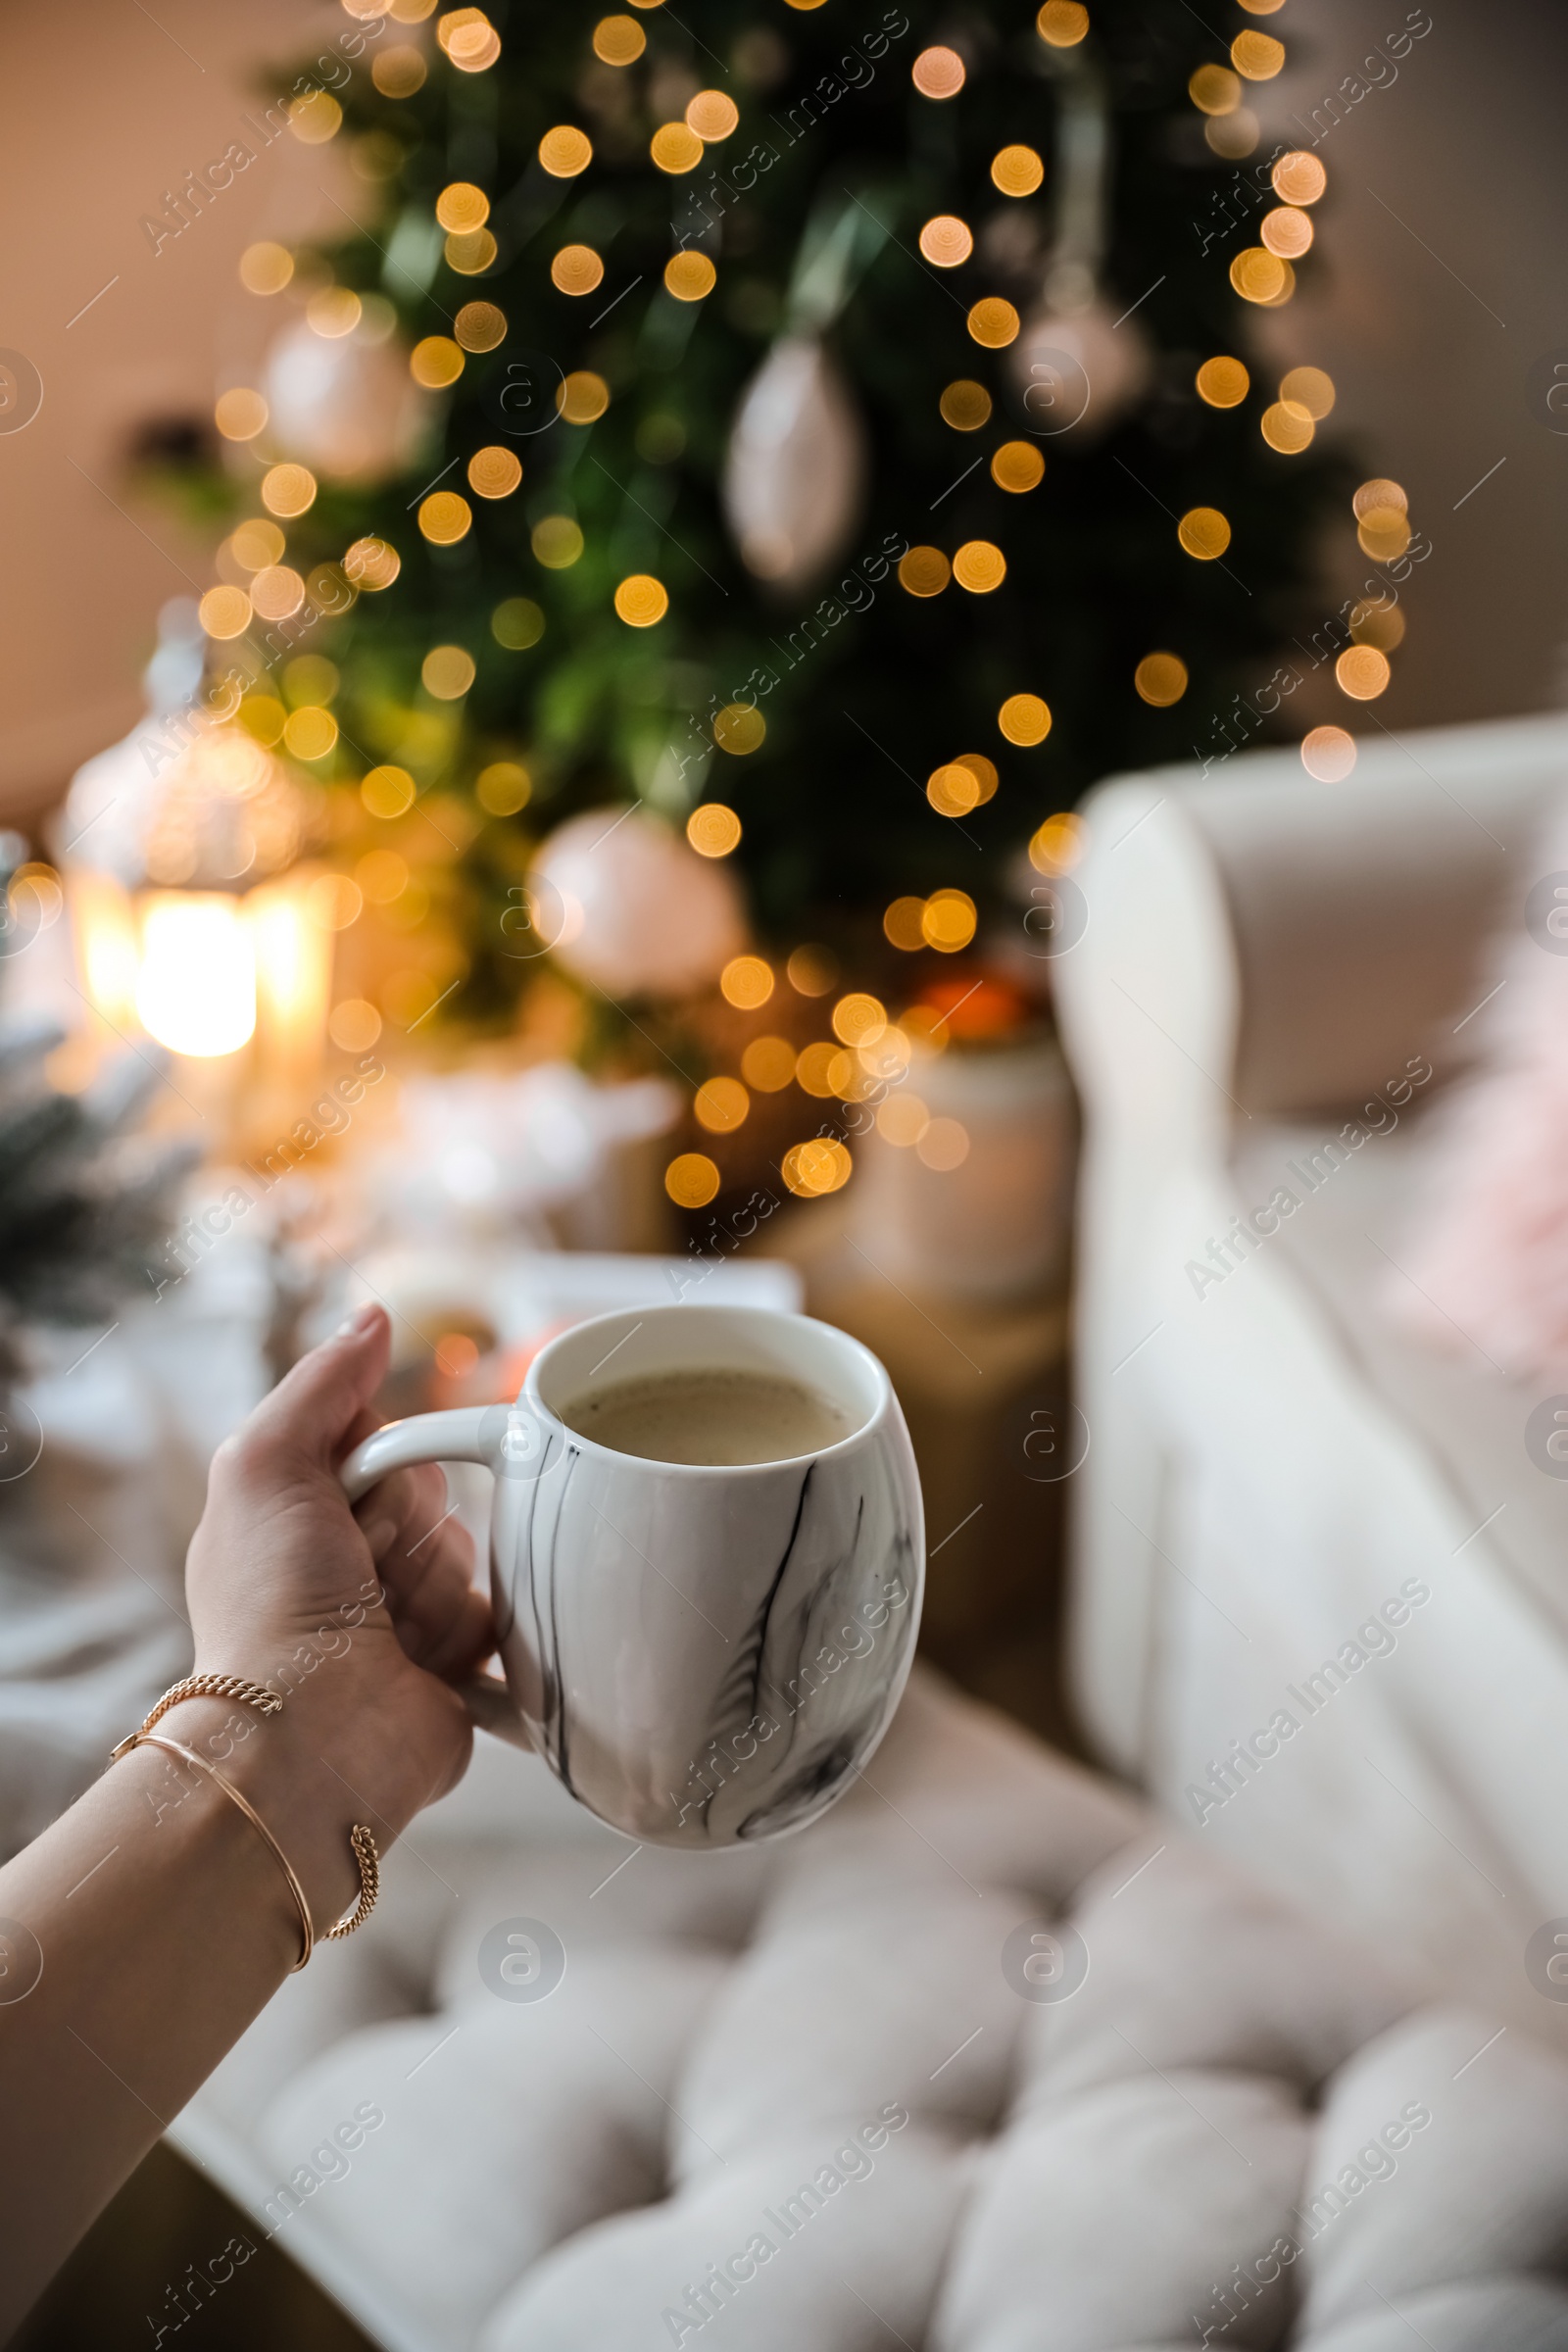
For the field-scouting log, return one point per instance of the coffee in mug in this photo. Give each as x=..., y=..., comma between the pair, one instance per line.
x=709, y=1417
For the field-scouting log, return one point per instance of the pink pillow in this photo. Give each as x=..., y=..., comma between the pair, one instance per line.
x=1489, y=1248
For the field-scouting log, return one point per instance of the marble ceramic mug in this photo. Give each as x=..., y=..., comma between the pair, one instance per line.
x=702, y=1653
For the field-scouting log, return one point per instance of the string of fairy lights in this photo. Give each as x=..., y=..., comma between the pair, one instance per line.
x=869, y=1052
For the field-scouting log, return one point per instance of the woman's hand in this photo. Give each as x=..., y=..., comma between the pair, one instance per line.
x=357, y=1616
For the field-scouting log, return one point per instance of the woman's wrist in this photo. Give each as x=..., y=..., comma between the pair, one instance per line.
x=309, y=1778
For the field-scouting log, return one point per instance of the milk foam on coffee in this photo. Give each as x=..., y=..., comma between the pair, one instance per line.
x=710, y=1417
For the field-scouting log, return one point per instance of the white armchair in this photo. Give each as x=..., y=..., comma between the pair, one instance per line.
x=1320, y=1601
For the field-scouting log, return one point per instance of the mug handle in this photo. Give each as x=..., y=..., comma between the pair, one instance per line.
x=452, y=1436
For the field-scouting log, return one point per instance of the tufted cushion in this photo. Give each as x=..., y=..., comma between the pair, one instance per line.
x=987, y=2060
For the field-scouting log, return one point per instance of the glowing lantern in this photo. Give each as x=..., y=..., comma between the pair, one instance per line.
x=196, y=988
x=192, y=917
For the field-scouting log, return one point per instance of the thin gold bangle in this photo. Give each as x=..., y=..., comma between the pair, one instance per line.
x=174, y=1749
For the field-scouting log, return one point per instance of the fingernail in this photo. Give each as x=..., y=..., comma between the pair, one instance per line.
x=353, y=1325
x=378, y=1533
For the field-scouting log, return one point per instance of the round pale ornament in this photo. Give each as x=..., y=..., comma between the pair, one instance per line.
x=625, y=905
x=345, y=406
x=1078, y=369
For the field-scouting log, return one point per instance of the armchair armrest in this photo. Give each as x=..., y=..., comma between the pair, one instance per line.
x=1359, y=911
x=1258, y=944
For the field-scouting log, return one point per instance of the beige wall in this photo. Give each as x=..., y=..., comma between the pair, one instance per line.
x=102, y=108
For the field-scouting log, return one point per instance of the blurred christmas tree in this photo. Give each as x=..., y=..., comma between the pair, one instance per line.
x=834, y=426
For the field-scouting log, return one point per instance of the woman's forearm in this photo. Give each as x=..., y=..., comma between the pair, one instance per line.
x=143, y=1931
x=141, y=1934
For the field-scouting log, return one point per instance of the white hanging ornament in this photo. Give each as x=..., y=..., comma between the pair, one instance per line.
x=623, y=902
x=344, y=405
x=1077, y=367
x=1079, y=364
x=795, y=474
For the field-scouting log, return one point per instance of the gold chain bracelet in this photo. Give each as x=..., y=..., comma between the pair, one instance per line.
x=266, y=1702
x=203, y=1685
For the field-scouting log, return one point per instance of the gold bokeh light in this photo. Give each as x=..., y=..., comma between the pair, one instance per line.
x=675, y=147
x=1299, y=177
x=265, y=268
x=722, y=1105
x=714, y=830
x=949, y=921
x=691, y=1180
x=690, y=276
x=470, y=252
x=1024, y=720
x=1160, y=679
x=447, y=672
x=903, y=924
x=372, y=564
x=445, y=518
x=1257, y=274
x=256, y=543
x=494, y=471
x=1379, y=624
x=399, y=72
x=461, y=207
x=1223, y=382
x=984, y=772
x=1017, y=171
x=480, y=326
x=387, y=792
x=576, y=270
x=288, y=490
x=953, y=791
x=1287, y=232
x=712, y=115
x=436, y=362
x=1257, y=56
x=1287, y=428
x=965, y=404
x=641, y=600
x=277, y=591
x=923, y=570
x=1328, y=753
x=745, y=982
x=1379, y=492
x=947, y=241
x=582, y=397
x=566, y=151
x=1017, y=467
x=994, y=322
x=938, y=73
x=1203, y=533
x=1062, y=22
x=619, y=40
x=503, y=788
x=240, y=415
x=1309, y=388
x=1362, y=672
x=1214, y=90
x=557, y=542
x=739, y=728
x=980, y=567
x=768, y=1064
x=225, y=613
